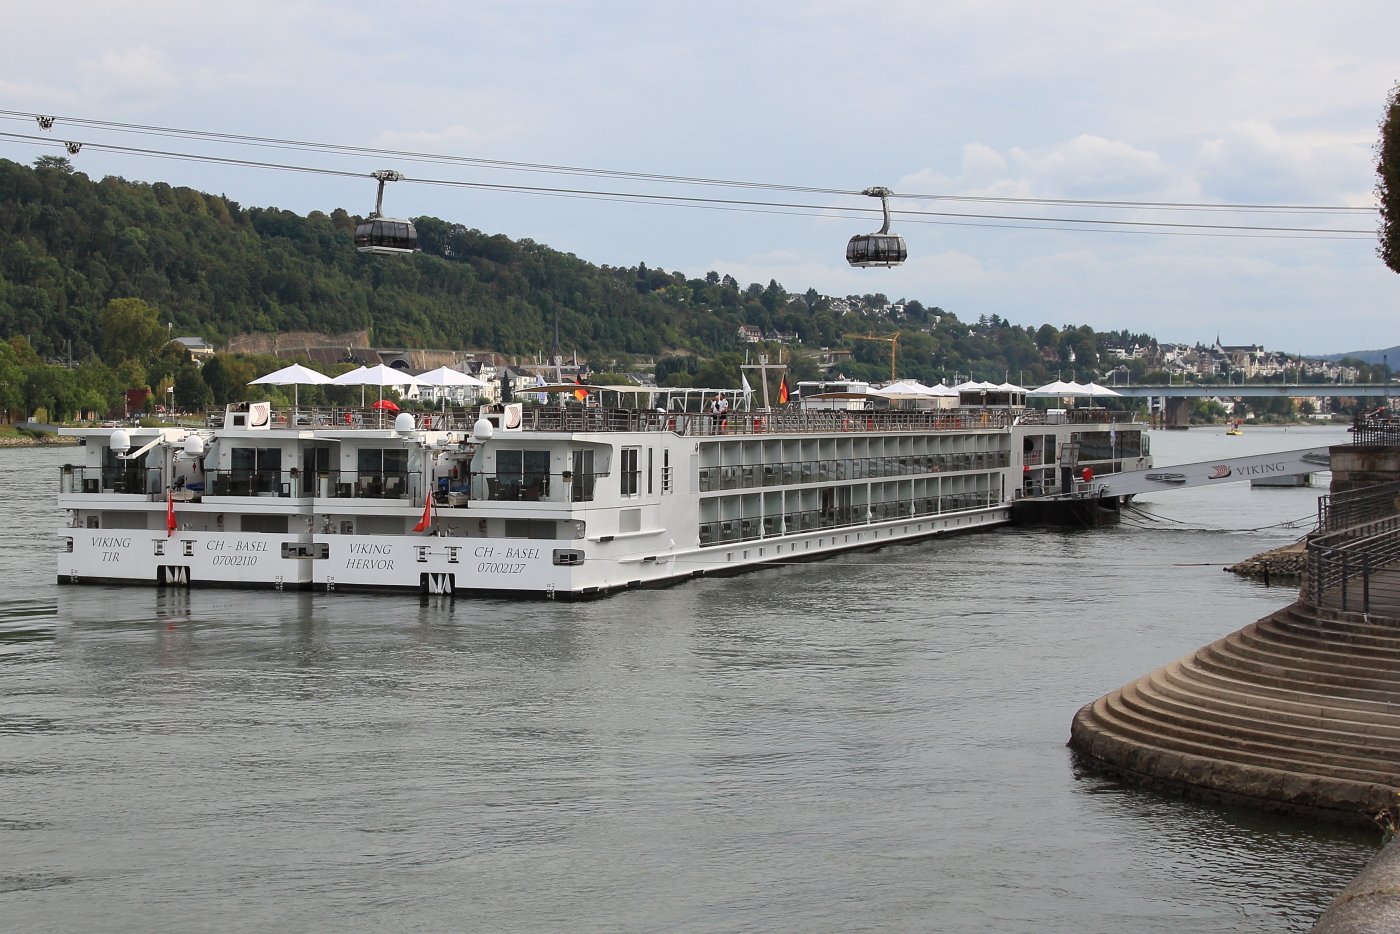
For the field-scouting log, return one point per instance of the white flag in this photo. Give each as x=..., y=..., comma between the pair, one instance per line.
x=748, y=390
x=542, y=396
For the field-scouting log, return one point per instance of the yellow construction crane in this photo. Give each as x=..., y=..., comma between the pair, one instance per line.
x=892, y=341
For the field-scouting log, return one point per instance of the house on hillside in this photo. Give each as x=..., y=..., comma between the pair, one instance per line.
x=197, y=348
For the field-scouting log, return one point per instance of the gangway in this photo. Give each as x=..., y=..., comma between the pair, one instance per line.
x=1096, y=501
x=1209, y=473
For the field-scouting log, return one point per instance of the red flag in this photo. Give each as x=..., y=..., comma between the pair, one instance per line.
x=783, y=392
x=427, y=515
x=169, y=513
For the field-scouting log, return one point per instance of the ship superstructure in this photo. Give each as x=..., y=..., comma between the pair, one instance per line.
x=543, y=501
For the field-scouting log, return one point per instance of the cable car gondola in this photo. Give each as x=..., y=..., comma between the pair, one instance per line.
x=877, y=249
x=387, y=236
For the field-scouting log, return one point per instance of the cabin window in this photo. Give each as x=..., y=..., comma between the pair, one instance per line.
x=276, y=525
x=583, y=477
x=530, y=528
x=651, y=458
x=631, y=474
x=383, y=460
x=520, y=475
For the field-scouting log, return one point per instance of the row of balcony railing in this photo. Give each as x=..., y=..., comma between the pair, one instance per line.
x=791, y=473
x=597, y=419
x=724, y=531
x=564, y=486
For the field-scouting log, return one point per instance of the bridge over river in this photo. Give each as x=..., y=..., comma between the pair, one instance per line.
x=1176, y=411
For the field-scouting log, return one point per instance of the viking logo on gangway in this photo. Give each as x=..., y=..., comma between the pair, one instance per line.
x=1221, y=472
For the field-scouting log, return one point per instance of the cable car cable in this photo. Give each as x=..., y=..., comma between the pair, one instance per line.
x=685, y=200
x=675, y=179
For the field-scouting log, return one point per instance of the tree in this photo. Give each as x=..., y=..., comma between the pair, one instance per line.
x=216, y=377
x=54, y=162
x=131, y=330
x=720, y=373
x=191, y=392
x=1388, y=181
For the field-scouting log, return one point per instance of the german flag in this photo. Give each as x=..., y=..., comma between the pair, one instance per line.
x=580, y=394
x=783, y=392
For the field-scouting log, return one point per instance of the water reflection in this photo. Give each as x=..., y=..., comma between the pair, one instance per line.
x=875, y=741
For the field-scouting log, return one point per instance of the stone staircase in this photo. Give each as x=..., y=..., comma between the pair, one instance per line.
x=1297, y=713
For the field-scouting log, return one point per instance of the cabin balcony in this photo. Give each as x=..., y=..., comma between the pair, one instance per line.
x=794, y=473
x=751, y=528
x=131, y=483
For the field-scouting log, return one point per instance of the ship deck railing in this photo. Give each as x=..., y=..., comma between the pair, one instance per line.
x=587, y=419
x=754, y=528
x=98, y=481
x=792, y=473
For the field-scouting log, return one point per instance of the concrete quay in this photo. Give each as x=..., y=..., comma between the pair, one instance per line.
x=1297, y=713
x=1371, y=904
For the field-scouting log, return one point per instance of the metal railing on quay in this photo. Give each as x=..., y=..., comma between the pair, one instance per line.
x=1342, y=510
x=1375, y=428
x=752, y=528
x=1343, y=566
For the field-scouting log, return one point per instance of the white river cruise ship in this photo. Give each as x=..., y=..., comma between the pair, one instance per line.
x=545, y=501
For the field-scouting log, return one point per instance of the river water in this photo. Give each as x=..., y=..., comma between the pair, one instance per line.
x=875, y=742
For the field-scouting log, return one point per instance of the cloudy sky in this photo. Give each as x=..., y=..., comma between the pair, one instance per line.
x=1244, y=102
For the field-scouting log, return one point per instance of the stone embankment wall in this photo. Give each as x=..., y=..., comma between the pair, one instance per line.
x=1371, y=904
x=1297, y=713
x=1360, y=465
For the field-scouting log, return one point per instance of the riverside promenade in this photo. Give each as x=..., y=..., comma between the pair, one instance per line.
x=1297, y=713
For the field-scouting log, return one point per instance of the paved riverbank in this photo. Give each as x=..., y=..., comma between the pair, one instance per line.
x=1371, y=904
x=1298, y=713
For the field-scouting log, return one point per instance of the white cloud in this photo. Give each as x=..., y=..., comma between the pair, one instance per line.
x=449, y=139
x=135, y=75
x=1155, y=100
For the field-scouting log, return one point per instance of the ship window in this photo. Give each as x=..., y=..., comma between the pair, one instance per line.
x=276, y=525
x=583, y=477
x=256, y=459
x=651, y=458
x=383, y=460
x=521, y=475
x=530, y=528
x=630, y=472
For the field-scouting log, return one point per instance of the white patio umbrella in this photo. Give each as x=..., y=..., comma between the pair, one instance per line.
x=906, y=387
x=380, y=376
x=1094, y=389
x=446, y=376
x=295, y=376
x=1058, y=390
